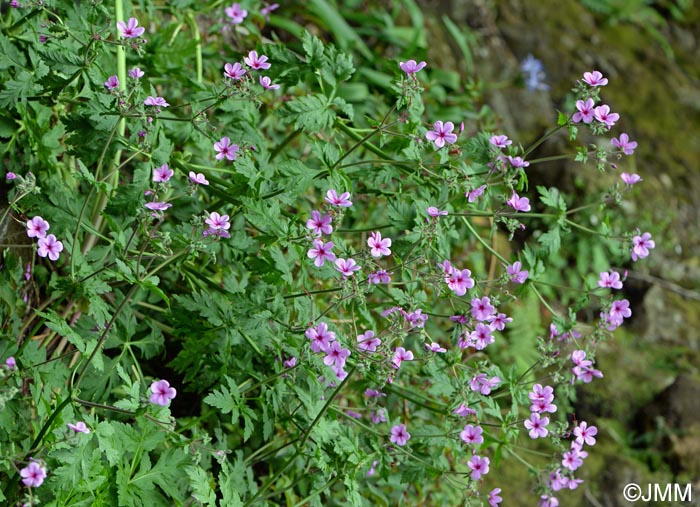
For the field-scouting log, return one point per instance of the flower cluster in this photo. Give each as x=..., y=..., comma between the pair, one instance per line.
x=324, y=341
x=583, y=368
x=47, y=245
x=541, y=399
x=587, y=111
x=237, y=74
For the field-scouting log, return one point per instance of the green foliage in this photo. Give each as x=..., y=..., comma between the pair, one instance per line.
x=225, y=313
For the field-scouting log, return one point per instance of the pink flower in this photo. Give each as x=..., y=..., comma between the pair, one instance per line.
x=572, y=459
x=548, y=501
x=399, y=435
x=368, y=342
x=595, y=78
x=400, y=355
x=578, y=357
x=380, y=276
x=49, y=246
x=494, y=499
x=630, y=179
x=620, y=310
x=33, y=475
x=256, y=62
x=473, y=195
x=266, y=83
x=198, y=178
x=265, y=11
x=472, y=434
x=234, y=71
x=112, y=83
x=435, y=212
x=481, y=337
x=537, y=425
x=218, y=222
x=155, y=102
x=483, y=385
x=464, y=411
x=378, y=416
x=162, y=393
x=290, y=363
x=79, y=427
x=610, y=280
x=130, y=30
x=346, y=267
x=224, y=148
x=500, y=141
x=416, y=318
x=479, y=466
x=320, y=337
x=441, y=134
x=482, y=308
x=519, y=203
x=372, y=469
x=236, y=13
x=37, y=227
x=319, y=224
x=541, y=399
x=624, y=144
x=498, y=322
x=585, y=111
x=411, y=67
x=603, y=115
x=435, y=347
x=336, y=355
x=459, y=281
x=583, y=368
x=157, y=205
x=11, y=363
x=378, y=245
x=136, y=73
x=517, y=274
x=162, y=174
x=556, y=481
x=585, y=434
x=517, y=162
x=641, y=245
x=343, y=200
x=321, y=252
x=10, y=176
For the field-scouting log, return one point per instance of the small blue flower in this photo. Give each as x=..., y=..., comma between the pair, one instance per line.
x=533, y=74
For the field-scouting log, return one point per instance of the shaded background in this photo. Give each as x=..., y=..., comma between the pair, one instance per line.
x=647, y=406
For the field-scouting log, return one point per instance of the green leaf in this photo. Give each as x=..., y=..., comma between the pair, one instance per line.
x=551, y=240
x=313, y=47
x=401, y=214
x=18, y=90
x=225, y=399
x=562, y=119
x=282, y=263
x=311, y=113
x=552, y=197
x=11, y=56
x=201, y=486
